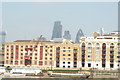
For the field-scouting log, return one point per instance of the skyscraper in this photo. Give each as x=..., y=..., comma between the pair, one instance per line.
x=67, y=35
x=57, y=30
x=79, y=34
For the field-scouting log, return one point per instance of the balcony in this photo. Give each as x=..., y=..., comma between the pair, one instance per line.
x=57, y=63
x=103, y=53
x=57, y=59
x=57, y=51
x=83, y=45
x=57, y=55
x=103, y=45
x=75, y=56
x=103, y=49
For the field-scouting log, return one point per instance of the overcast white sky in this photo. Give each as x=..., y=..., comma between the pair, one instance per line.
x=27, y=20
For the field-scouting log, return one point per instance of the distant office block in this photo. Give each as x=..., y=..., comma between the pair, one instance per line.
x=67, y=35
x=57, y=30
x=79, y=34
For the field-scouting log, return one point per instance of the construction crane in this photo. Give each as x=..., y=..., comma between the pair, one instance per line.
x=27, y=55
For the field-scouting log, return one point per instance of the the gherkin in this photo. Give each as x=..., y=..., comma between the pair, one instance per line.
x=79, y=34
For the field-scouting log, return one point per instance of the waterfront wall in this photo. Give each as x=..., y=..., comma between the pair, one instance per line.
x=58, y=79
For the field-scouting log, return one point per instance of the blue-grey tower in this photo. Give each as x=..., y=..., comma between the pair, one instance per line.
x=67, y=35
x=57, y=30
x=79, y=34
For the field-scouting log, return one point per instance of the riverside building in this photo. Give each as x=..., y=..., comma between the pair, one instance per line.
x=99, y=51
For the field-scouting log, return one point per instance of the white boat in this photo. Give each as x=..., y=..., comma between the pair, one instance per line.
x=82, y=75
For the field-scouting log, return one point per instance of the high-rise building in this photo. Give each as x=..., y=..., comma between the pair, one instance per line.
x=102, y=31
x=67, y=35
x=79, y=34
x=57, y=30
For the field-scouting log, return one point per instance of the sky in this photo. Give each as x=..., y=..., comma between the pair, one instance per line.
x=28, y=20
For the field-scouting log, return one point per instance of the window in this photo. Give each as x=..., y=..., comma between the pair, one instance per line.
x=68, y=50
x=89, y=47
x=75, y=58
x=75, y=62
x=45, y=62
x=63, y=58
x=45, y=58
x=68, y=62
x=6, y=61
x=45, y=54
x=50, y=54
x=21, y=62
x=118, y=52
x=50, y=50
x=63, y=62
x=118, y=48
x=30, y=57
x=63, y=66
x=83, y=65
x=35, y=62
x=97, y=47
x=68, y=66
x=75, y=54
x=68, y=58
x=50, y=58
x=118, y=44
x=63, y=47
x=68, y=47
x=64, y=50
x=89, y=51
x=89, y=43
x=75, y=66
x=97, y=43
x=97, y=52
x=96, y=64
x=89, y=56
x=89, y=64
x=35, y=57
x=69, y=54
x=75, y=49
x=118, y=56
x=63, y=54
x=7, y=57
x=50, y=46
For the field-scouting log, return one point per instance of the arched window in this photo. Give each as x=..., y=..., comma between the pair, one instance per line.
x=89, y=44
x=97, y=44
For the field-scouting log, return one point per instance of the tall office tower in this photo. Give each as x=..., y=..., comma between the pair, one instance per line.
x=102, y=31
x=57, y=30
x=67, y=35
x=2, y=36
x=79, y=34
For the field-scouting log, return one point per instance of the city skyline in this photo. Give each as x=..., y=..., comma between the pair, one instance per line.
x=29, y=20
